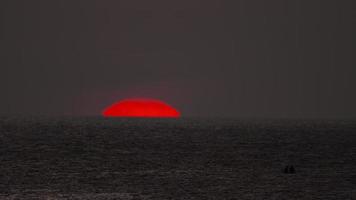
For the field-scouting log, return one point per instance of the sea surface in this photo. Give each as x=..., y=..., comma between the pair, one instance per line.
x=100, y=158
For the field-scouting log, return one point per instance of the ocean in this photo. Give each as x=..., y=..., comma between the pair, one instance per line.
x=116, y=158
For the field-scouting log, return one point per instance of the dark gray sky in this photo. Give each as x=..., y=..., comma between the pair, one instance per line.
x=238, y=58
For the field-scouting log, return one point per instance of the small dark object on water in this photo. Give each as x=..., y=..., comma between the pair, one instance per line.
x=289, y=169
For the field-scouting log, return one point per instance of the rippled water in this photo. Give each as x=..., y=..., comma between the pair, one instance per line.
x=96, y=158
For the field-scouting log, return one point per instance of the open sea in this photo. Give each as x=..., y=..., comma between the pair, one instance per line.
x=101, y=158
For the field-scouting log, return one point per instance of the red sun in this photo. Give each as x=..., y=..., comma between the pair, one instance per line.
x=150, y=108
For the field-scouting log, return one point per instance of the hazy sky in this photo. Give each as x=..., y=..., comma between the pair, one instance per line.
x=238, y=58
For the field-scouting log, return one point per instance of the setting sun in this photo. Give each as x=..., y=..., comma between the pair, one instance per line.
x=148, y=108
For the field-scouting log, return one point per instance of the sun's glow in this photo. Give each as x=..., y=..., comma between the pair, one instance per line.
x=142, y=107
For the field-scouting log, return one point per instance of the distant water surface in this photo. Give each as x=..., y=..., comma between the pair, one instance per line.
x=97, y=158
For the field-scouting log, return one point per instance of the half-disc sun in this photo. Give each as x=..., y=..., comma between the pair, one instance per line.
x=150, y=108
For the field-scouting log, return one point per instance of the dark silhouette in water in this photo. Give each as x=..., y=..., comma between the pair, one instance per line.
x=289, y=169
x=286, y=169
